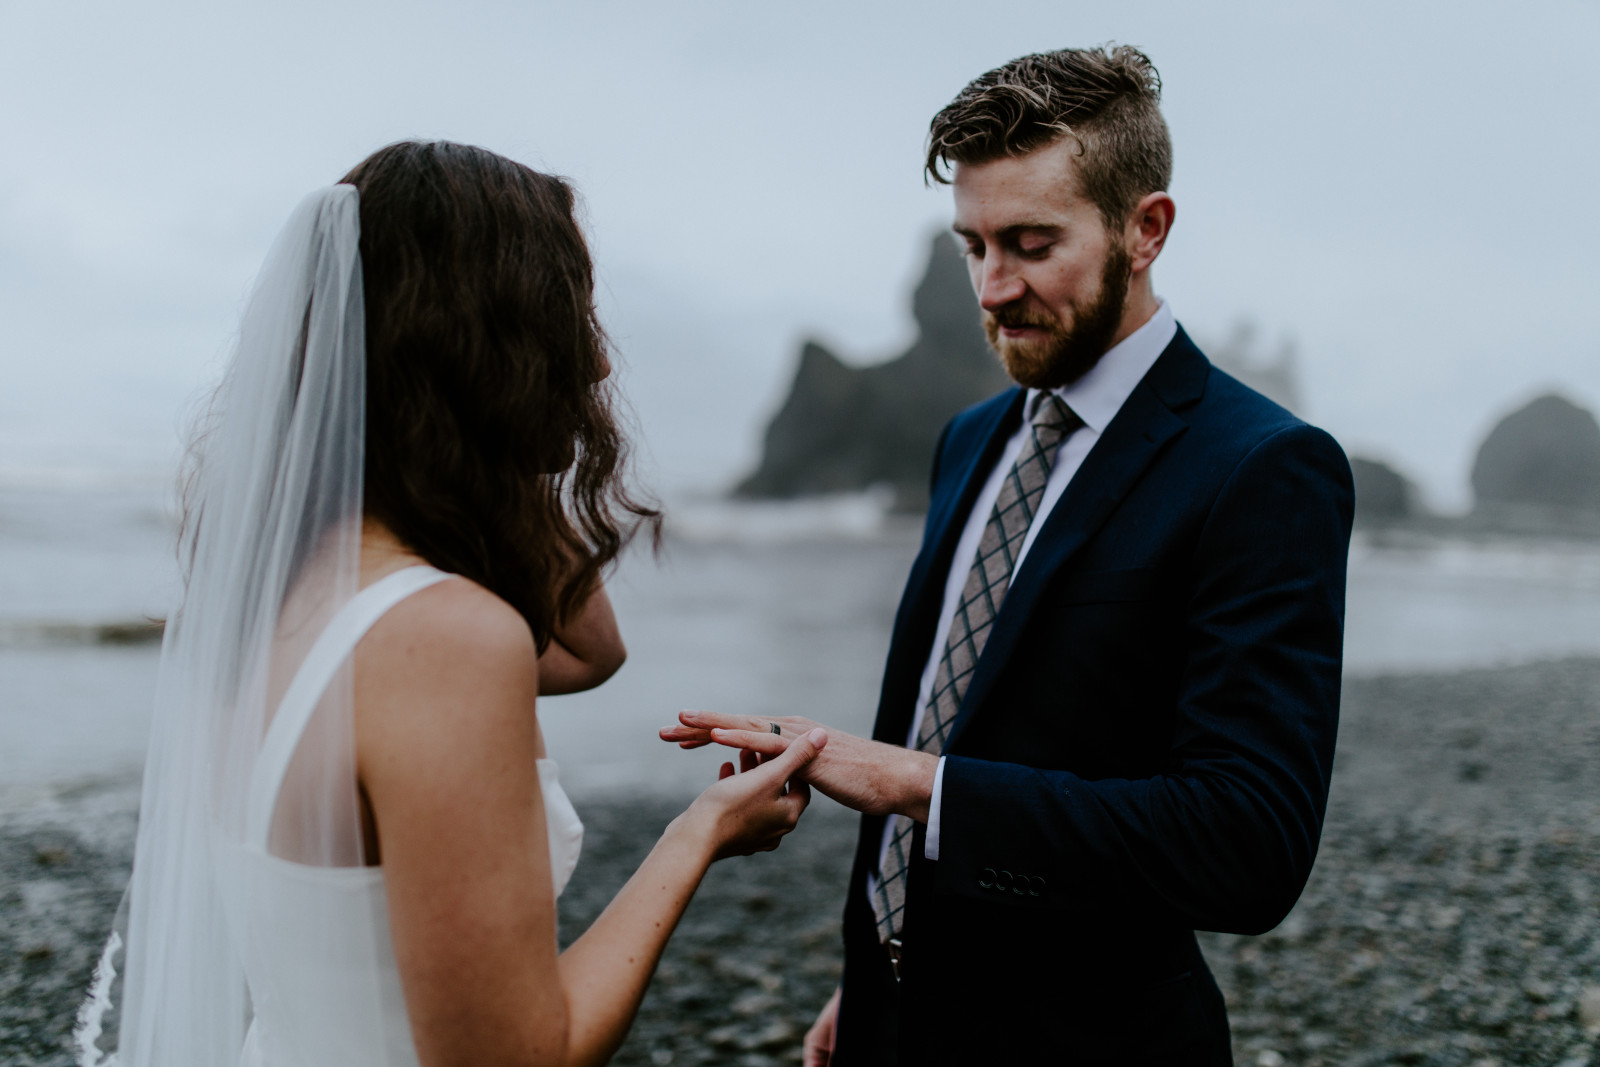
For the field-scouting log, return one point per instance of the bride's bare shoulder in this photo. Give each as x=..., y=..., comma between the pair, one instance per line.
x=447, y=741
x=457, y=612
x=454, y=643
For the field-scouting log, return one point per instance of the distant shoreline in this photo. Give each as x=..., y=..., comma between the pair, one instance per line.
x=59, y=634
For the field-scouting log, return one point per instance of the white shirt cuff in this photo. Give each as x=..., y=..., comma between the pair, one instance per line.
x=930, y=842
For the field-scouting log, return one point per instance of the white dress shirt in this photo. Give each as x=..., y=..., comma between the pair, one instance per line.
x=1095, y=398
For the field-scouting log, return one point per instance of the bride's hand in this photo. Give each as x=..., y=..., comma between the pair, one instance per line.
x=751, y=811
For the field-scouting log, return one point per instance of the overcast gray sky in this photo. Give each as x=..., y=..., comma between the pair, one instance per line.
x=1406, y=189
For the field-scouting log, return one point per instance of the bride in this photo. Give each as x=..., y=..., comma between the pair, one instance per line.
x=351, y=838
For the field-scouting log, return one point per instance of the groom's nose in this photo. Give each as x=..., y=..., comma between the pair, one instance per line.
x=999, y=283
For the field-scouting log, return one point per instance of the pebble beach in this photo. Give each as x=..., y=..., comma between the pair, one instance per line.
x=1453, y=918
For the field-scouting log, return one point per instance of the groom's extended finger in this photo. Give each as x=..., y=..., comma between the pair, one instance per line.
x=716, y=720
x=767, y=744
x=684, y=736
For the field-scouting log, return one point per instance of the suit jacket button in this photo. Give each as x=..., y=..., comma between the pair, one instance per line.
x=1003, y=882
x=986, y=879
x=1037, y=887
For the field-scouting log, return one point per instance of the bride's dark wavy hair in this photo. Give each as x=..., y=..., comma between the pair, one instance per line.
x=492, y=443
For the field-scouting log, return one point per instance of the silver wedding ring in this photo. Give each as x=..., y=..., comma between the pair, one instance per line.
x=775, y=728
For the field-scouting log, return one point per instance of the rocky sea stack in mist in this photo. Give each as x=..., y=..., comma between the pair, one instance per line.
x=1540, y=466
x=845, y=428
x=1537, y=472
x=1383, y=494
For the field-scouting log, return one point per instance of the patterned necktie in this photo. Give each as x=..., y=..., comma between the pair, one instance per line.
x=981, y=597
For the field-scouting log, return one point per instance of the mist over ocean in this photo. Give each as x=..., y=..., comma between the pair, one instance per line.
x=767, y=608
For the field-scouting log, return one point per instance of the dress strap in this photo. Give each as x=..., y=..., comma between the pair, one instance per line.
x=343, y=632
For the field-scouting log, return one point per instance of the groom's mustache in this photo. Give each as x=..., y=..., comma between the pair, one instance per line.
x=1013, y=316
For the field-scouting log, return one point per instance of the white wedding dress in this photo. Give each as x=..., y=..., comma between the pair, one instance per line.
x=324, y=985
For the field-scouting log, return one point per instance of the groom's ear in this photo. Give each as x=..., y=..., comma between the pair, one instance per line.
x=1148, y=226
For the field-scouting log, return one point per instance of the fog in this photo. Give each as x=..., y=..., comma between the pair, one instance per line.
x=1400, y=189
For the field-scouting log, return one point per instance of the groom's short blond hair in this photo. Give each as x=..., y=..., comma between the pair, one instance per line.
x=1107, y=99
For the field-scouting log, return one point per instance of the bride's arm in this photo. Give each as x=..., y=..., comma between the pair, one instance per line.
x=446, y=735
x=606, y=970
x=584, y=652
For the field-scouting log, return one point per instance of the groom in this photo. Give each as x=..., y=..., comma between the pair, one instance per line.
x=1108, y=714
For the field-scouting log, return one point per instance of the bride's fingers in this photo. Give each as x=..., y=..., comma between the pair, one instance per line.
x=801, y=789
x=782, y=769
x=725, y=771
x=795, y=803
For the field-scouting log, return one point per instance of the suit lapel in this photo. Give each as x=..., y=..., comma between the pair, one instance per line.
x=1135, y=436
x=924, y=596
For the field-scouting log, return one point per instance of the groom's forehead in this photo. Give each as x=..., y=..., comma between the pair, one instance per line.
x=1036, y=189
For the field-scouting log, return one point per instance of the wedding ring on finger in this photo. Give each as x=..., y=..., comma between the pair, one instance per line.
x=775, y=728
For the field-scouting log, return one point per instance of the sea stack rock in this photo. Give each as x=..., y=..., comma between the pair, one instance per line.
x=1383, y=494
x=1545, y=456
x=845, y=428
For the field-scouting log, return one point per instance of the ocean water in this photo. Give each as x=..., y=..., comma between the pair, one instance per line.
x=764, y=609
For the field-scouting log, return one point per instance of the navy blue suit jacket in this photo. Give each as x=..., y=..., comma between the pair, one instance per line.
x=1143, y=751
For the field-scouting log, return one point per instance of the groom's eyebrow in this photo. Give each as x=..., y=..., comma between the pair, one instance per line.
x=1017, y=229
x=1013, y=231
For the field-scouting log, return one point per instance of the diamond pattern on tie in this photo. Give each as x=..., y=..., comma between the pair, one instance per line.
x=981, y=597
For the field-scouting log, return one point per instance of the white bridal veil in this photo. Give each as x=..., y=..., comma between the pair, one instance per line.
x=271, y=543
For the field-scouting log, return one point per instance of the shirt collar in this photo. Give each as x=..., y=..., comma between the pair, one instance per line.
x=1099, y=395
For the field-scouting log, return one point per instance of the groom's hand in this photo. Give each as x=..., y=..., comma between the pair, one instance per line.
x=818, y=1049
x=869, y=776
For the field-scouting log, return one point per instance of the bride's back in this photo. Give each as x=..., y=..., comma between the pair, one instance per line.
x=325, y=984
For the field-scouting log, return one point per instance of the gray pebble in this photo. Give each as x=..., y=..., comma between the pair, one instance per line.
x=1451, y=919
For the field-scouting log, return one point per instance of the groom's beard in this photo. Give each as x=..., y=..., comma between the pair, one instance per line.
x=1064, y=354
